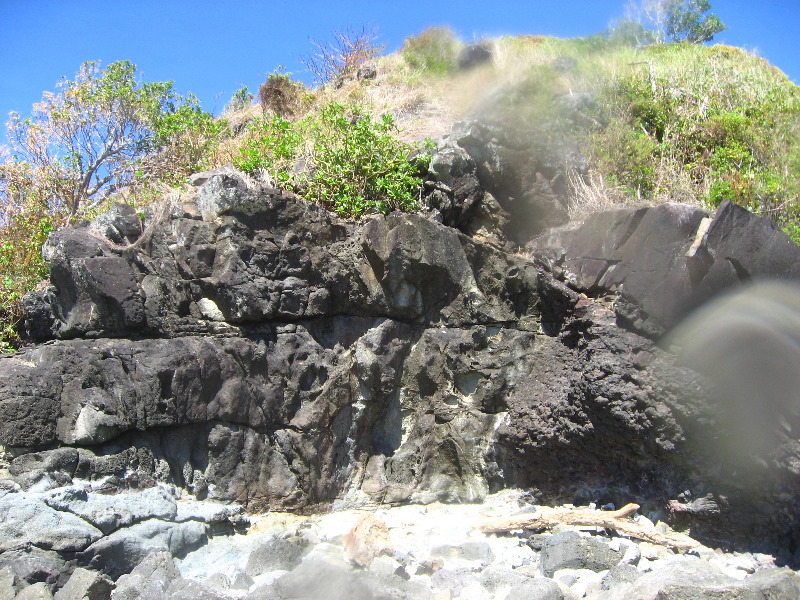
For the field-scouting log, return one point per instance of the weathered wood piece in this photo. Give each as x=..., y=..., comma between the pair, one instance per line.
x=620, y=520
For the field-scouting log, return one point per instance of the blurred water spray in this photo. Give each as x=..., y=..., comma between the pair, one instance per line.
x=747, y=343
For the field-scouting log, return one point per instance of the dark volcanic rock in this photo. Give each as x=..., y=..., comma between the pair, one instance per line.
x=498, y=188
x=250, y=346
x=472, y=56
x=668, y=259
x=568, y=550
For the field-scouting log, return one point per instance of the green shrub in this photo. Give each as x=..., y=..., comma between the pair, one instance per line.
x=272, y=143
x=682, y=121
x=627, y=157
x=434, y=50
x=358, y=164
x=353, y=163
x=184, y=142
x=21, y=267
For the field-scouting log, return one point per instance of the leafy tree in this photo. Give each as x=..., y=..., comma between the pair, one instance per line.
x=677, y=20
x=94, y=134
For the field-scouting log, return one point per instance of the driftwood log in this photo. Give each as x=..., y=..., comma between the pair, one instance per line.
x=620, y=520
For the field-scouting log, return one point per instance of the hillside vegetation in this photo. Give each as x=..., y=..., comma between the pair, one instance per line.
x=665, y=122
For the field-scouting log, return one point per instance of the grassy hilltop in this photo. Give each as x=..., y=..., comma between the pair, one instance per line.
x=665, y=122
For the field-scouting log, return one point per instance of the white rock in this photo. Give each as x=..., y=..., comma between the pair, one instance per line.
x=632, y=556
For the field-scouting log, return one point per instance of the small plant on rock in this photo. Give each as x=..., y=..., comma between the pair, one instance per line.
x=240, y=100
x=280, y=94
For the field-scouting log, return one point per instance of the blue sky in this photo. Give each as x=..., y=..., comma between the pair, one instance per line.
x=213, y=48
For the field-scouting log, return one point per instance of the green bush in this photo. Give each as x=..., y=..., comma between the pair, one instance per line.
x=695, y=123
x=22, y=268
x=352, y=162
x=434, y=50
x=272, y=144
x=184, y=141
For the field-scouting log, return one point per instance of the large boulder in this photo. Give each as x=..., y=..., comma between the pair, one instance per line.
x=26, y=520
x=568, y=550
x=667, y=260
x=120, y=552
x=109, y=513
x=496, y=184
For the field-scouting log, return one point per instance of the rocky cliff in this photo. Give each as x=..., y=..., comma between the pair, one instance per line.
x=249, y=346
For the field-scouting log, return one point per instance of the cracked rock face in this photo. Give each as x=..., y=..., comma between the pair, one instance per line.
x=252, y=347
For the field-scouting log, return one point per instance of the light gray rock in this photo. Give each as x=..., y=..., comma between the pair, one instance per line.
x=265, y=592
x=25, y=519
x=317, y=580
x=120, y=552
x=136, y=587
x=121, y=224
x=27, y=469
x=679, y=579
x=84, y=584
x=182, y=589
x=8, y=584
x=454, y=580
x=536, y=589
x=277, y=553
x=228, y=191
x=158, y=566
x=32, y=565
x=477, y=551
x=37, y=591
x=777, y=584
x=109, y=513
x=494, y=579
x=623, y=573
x=211, y=512
x=149, y=580
x=198, y=179
x=242, y=581
x=218, y=581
